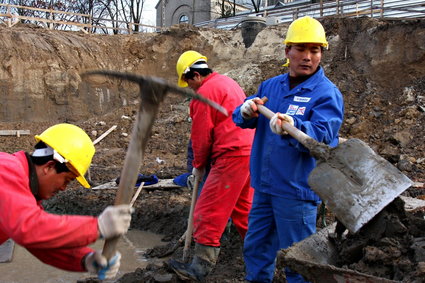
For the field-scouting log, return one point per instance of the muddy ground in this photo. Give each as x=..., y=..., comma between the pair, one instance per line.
x=378, y=66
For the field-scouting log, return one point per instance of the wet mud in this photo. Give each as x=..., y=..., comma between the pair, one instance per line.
x=391, y=245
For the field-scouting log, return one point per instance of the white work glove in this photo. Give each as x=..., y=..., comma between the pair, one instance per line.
x=249, y=108
x=198, y=173
x=114, y=221
x=96, y=263
x=276, y=123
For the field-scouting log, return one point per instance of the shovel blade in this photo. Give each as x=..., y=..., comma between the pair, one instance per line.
x=356, y=183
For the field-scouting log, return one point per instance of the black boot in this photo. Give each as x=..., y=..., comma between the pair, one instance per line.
x=203, y=262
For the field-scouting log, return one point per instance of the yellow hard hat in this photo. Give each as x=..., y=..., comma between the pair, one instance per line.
x=306, y=30
x=186, y=60
x=73, y=144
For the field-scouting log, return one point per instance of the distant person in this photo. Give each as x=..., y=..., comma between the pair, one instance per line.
x=284, y=208
x=216, y=139
x=63, y=153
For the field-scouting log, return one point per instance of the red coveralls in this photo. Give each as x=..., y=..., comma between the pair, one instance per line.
x=58, y=240
x=227, y=191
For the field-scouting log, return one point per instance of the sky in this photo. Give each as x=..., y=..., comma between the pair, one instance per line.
x=149, y=12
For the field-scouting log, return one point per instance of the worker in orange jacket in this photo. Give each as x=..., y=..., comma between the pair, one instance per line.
x=63, y=153
x=217, y=141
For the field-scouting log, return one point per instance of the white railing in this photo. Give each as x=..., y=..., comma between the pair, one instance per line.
x=344, y=8
x=52, y=19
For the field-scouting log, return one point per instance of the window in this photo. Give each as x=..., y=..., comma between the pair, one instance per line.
x=184, y=19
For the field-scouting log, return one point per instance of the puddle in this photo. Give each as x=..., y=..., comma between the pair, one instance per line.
x=27, y=268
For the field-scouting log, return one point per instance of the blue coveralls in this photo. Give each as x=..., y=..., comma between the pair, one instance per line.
x=284, y=208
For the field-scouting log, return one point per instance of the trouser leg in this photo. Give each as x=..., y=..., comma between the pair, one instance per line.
x=218, y=199
x=295, y=221
x=261, y=242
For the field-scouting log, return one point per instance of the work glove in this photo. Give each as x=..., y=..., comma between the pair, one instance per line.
x=276, y=123
x=114, y=221
x=249, y=108
x=96, y=263
x=198, y=173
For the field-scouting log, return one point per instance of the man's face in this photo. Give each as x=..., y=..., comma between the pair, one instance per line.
x=50, y=182
x=194, y=83
x=304, y=58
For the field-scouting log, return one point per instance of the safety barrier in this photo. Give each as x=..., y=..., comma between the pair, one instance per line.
x=286, y=12
x=348, y=8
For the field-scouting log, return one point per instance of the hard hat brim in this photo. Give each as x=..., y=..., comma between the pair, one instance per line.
x=83, y=182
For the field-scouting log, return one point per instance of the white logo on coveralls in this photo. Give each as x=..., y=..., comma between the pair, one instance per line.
x=300, y=111
x=292, y=109
x=295, y=110
x=301, y=99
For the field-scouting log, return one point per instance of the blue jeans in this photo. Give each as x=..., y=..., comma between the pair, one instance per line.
x=275, y=223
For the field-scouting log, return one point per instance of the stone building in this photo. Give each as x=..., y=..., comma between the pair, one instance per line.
x=170, y=12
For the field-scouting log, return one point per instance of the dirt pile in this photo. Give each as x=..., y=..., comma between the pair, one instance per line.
x=377, y=64
x=390, y=246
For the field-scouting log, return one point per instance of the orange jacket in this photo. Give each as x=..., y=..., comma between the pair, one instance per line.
x=58, y=240
x=213, y=134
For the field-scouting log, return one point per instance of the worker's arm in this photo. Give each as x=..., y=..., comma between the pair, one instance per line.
x=67, y=259
x=23, y=220
x=201, y=133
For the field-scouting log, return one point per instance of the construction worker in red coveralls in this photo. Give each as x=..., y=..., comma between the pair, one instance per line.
x=63, y=153
x=226, y=192
x=284, y=208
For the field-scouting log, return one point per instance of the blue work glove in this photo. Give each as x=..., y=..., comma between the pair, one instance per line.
x=96, y=263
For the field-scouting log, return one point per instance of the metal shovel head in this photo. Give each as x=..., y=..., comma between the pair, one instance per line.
x=356, y=183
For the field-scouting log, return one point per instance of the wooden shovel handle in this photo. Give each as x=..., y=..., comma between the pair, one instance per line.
x=317, y=150
x=302, y=137
x=188, y=239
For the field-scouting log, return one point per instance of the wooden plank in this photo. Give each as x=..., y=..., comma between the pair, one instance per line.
x=412, y=204
x=14, y=132
x=45, y=10
x=106, y=186
x=162, y=184
x=6, y=251
x=105, y=134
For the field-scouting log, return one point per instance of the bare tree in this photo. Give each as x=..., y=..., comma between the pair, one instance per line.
x=227, y=8
x=256, y=4
x=136, y=8
x=104, y=15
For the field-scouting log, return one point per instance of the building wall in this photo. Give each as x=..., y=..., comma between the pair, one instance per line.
x=175, y=9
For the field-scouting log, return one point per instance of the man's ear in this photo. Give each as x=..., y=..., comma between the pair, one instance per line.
x=49, y=165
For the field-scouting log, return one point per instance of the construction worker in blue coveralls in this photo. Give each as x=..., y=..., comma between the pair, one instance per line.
x=284, y=207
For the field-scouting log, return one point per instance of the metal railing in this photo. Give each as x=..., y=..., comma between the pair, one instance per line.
x=287, y=12
x=344, y=8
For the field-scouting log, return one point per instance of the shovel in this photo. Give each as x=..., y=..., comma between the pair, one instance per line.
x=351, y=179
x=152, y=92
